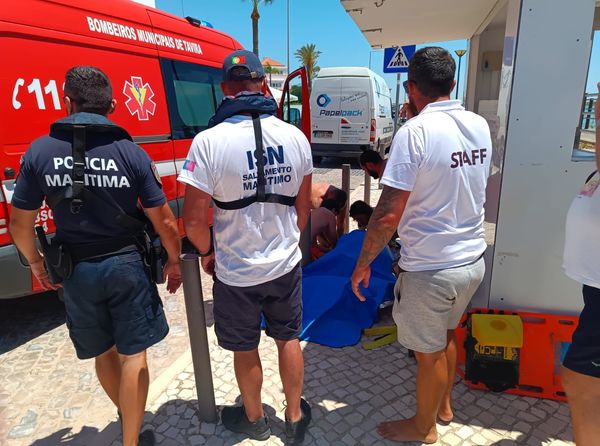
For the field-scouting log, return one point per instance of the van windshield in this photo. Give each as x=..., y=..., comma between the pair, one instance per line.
x=193, y=94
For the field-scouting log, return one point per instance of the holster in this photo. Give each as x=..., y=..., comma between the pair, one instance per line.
x=57, y=259
x=155, y=255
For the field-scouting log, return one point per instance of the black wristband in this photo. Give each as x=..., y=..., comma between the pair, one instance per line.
x=207, y=253
x=211, y=249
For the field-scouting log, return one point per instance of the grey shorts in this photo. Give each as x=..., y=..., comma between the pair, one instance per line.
x=429, y=303
x=238, y=310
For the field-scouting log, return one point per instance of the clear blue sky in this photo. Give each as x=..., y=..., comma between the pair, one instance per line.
x=322, y=22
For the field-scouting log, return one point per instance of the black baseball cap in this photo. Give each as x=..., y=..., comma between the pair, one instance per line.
x=245, y=59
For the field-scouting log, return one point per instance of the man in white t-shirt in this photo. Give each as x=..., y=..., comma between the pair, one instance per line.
x=434, y=192
x=261, y=204
x=581, y=367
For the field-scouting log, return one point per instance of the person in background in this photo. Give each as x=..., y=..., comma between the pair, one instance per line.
x=371, y=162
x=581, y=368
x=434, y=191
x=361, y=212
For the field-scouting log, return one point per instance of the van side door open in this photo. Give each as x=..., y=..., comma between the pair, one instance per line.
x=288, y=111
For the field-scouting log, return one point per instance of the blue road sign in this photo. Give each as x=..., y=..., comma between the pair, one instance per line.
x=395, y=60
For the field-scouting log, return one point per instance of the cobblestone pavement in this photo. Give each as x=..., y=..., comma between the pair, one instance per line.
x=351, y=390
x=46, y=394
x=329, y=171
x=48, y=397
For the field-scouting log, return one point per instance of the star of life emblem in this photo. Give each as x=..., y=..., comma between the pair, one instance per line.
x=139, y=98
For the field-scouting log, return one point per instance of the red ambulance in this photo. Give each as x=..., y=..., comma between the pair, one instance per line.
x=165, y=73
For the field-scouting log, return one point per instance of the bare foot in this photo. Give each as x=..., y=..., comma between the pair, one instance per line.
x=406, y=430
x=445, y=414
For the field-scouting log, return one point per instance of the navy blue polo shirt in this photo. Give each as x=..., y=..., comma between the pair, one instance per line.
x=114, y=165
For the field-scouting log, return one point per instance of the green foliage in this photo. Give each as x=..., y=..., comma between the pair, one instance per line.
x=296, y=90
x=308, y=55
x=270, y=70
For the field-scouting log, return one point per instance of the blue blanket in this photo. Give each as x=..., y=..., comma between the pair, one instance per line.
x=333, y=316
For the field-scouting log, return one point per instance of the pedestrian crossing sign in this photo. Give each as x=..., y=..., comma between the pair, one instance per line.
x=396, y=59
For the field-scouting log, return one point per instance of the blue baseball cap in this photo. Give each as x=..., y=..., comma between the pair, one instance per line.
x=244, y=59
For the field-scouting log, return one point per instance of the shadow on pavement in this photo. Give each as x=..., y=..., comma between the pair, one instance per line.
x=352, y=391
x=65, y=436
x=27, y=318
x=189, y=429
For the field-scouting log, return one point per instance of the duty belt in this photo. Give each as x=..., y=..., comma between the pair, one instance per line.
x=101, y=249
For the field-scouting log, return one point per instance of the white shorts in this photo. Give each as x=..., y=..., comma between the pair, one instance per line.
x=429, y=303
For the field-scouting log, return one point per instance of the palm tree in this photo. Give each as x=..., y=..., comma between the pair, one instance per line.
x=308, y=55
x=270, y=70
x=255, y=16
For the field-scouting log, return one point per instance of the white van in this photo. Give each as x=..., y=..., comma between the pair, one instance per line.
x=351, y=111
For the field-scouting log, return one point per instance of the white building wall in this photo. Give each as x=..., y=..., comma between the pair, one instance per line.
x=539, y=178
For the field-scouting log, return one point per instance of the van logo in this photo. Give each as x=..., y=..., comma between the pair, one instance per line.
x=323, y=100
x=139, y=98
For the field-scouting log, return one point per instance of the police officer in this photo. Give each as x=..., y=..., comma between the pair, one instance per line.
x=114, y=312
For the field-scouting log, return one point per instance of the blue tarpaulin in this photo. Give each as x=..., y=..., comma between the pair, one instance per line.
x=332, y=315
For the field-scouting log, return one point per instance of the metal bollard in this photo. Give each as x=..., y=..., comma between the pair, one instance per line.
x=346, y=188
x=367, y=198
x=305, y=243
x=194, y=308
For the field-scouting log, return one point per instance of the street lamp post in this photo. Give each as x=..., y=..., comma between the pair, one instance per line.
x=460, y=54
x=289, y=70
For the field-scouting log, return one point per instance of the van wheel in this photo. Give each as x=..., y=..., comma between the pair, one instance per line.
x=317, y=159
